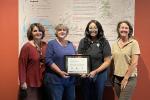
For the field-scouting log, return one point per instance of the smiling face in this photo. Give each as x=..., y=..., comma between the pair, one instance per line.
x=93, y=30
x=61, y=31
x=123, y=30
x=36, y=33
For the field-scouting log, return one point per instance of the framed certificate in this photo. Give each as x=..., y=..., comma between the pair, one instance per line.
x=77, y=64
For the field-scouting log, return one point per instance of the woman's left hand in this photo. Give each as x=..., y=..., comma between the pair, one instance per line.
x=92, y=74
x=64, y=74
x=124, y=83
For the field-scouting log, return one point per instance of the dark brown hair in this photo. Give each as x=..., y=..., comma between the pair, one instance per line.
x=30, y=29
x=130, y=28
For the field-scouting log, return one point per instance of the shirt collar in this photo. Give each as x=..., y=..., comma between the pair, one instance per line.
x=130, y=40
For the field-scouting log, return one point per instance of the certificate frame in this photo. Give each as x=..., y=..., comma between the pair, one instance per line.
x=77, y=64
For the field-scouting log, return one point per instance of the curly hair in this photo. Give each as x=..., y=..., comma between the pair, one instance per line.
x=100, y=29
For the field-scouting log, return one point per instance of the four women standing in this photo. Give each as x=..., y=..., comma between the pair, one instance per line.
x=59, y=85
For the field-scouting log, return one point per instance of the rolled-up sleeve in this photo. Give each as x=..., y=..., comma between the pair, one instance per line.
x=135, y=48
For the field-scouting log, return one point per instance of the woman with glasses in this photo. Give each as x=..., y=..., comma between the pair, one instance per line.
x=95, y=45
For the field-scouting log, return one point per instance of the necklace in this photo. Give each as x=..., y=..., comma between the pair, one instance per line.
x=39, y=49
x=63, y=44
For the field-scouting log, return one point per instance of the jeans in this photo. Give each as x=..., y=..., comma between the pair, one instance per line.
x=93, y=88
x=60, y=91
x=126, y=93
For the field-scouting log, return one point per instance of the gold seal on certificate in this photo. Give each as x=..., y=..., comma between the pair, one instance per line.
x=77, y=64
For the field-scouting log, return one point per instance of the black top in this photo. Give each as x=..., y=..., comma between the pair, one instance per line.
x=98, y=50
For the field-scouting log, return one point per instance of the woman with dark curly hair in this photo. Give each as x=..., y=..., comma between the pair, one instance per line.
x=95, y=45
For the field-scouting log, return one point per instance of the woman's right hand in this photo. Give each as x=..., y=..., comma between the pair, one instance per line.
x=24, y=86
x=64, y=74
